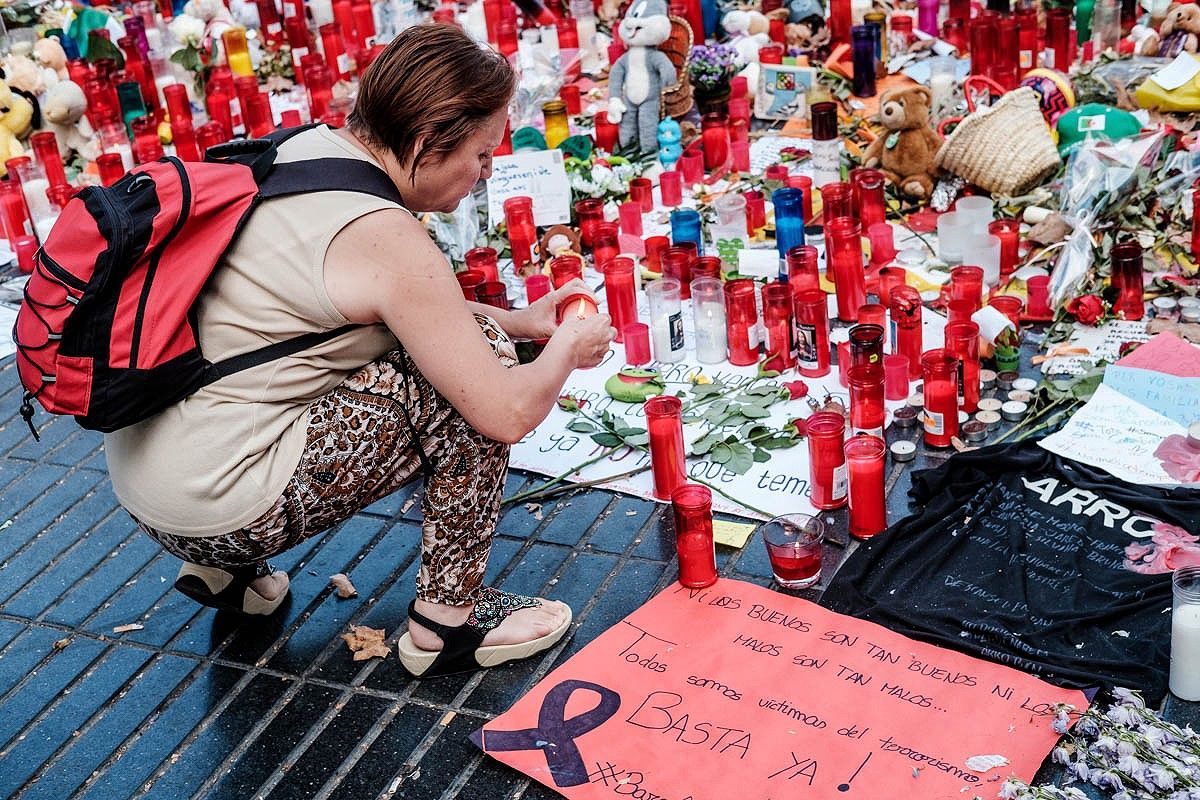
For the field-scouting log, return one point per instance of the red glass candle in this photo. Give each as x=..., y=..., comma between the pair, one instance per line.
x=867, y=190
x=771, y=53
x=569, y=94
x=670, y=185
x=906, y=327
x=866, y=399
x=45, y=150
x=620, y=291
x=25, y=248
x=940, y=369
x=1059, y=52
x=590, y=213
x=691, y=167
x=1027, y=35
x=1008, y=48
x=178, y=105
x=826, y=431
x=960, y=310
x=605, y=243
x=739, y=119
x=1127, y=279
x=210, y=134
x=873, y=314
x=868, y=506
x=641, y=191
x=883, y=247
x=147, y=147
x=982, y=37
x=715, y=135
x=962, y=340
x=537, y=286
x=895, y=377
x=579, y=306
x=843, y=363
x=1008, y=231
x=811, y=332
x=1037, y=305
x=805, y=184
x=15, y=218
x=966, y=283
x=691, y=505
x=741, y=321
x=630, y=214
x=469, y=280
x=889, y=279
x=777, y=321
x=637, y=344
x=605, y=134
x=777, y=172
x=677, y=264
x=334, y=47
x=112, y=168
x=739, y=156
x=843, y=240
x=564, y=269
x=1010, y=306
x=837, y=200
x=259, y=121
x=184, y=138
x=756, y=211
x=522, y=233
x=318, y=80
x=655, y=247
x=707, y=267
x=839, y=21
x=492, y=293
x=954, y=32
x=664, y=422
x=483, y=259
x=803, y=272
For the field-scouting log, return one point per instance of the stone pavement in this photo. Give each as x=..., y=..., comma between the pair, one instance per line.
x=196, y=704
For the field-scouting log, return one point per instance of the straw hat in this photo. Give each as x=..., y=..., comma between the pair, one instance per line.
x=1004, y=148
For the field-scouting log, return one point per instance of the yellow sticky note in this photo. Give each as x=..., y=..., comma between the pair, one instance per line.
x=733, y=534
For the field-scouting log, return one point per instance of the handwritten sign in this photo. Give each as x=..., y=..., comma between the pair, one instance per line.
x=1102, y=344
x=1163, y=375
x=1117, y=435
x=539, y=175
x=738, y=691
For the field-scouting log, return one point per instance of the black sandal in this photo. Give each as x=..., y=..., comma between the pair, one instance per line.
x=461, y=644
x=229, y=589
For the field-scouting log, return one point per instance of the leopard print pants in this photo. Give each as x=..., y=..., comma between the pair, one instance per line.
x=358, y=450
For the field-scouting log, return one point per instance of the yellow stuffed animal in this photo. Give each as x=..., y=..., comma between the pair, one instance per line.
x=16, y=121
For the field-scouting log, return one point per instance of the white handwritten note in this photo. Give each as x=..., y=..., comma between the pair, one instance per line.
x=1102, y=344
x=1172, y=396
x=539, y=175
x=1117, y=435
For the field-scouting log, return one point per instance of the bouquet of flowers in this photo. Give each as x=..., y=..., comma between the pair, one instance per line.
x=712, y=67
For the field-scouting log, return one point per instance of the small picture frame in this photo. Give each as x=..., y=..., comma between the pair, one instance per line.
x=783, y=91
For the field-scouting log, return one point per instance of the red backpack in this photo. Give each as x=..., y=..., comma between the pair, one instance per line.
x=108, y=328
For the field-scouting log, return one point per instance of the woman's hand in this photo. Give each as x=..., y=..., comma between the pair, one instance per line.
x=539, y=320
x=587, y=339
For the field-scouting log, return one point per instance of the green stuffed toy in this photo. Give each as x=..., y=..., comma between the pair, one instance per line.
x=634, y=385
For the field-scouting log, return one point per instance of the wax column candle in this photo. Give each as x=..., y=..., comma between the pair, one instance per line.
x=962, y=340
x=862, y=41
x=666, y=320
x=906, y=327
x=811, y=332
x=866, y=345
x=741, y=321
x=670, y=186
x=940, y=369
x=620, y=292
x=756, y=211
x=966, y=283
x=866, y=399
x=691, y=505
x=715, y=135
x=826, y=431
x=677, y=264
x=1185, y=631
x=1008, y=231
x=777, y=324
x=484, y=259
x=843, y=238
x=1059, y=52
x=685, y=227
x=664, y=423
x=868, y=508
x=708, y=309
x=564, y=269
x=802, y=269
x=1126, y=279
x=45, y=150
x=707, y=267
x=590, y=213
x=867, y=187
x=522, y=233
x=889, y=279
x=789, y=219
x=826, y=143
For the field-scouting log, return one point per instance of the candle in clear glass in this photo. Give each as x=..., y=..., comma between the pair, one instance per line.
x=522, y=233
x=940, y=370
x=605, y=244
x=1008, y=231
x=707, y=267
x=843, y=241
x=811, y=332
x=685, y=227
x=677, y=264
x=962, y=339
x=708, y=309
x=793, y=544
x=889, y=279
x=630, y=215
x=789, y=219
x=492, y=293
x=691, y=167
x=802, y=269
x=469, y=280
x=691, y=505
x=655, y=247
x=1127, y=280
x=837, y=200
x=45, y=150
x=883, y=246
x=637, y=344
x=590, y=213
x=1185, y=633
x=670, y=186
x=620, y=292
x=731, y=216
x=862, y=42
x=873, y=314
x=906, y=327
x=483, y=259
x=868, y=506
x=966, y=283
x=777, y=324
x=564, y=269
x=1058, y=53
x=867, y=191
x=666, y=320
x=895, y=377
x=826, y=432
x=741, y=321
x=866, y=398
x=714, y=132
x=664, y=423
x=641, y=191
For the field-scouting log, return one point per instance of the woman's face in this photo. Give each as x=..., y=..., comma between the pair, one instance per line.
x=441, y=185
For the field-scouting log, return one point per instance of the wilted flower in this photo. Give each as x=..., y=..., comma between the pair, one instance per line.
x=571, y=403
x=187, y=30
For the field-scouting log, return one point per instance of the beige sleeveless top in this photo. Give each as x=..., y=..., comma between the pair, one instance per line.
x=219, y=459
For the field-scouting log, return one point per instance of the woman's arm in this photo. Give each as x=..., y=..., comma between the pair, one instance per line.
x=384, y=268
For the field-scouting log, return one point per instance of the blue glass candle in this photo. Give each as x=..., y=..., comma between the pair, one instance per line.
x=685, y=227
x=789, y=221
x=863, y=56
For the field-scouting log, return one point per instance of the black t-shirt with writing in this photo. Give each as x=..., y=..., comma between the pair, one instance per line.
x=1019, y=556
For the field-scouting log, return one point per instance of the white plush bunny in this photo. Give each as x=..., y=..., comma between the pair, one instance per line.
x=640, y=74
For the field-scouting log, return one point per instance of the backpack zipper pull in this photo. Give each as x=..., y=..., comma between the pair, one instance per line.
x=27, y=415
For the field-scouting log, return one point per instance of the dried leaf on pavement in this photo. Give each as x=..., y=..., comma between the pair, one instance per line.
x=366, y=642
x=341, y=582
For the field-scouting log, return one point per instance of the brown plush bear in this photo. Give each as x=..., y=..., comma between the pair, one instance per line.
x=1179, y=31
x=905, y=153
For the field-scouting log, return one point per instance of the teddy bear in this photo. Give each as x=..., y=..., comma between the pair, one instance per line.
x=748, y=31
x=16, y=121
x=50, y=54
x=1179, y=32
x=638, y=77
x=63, y=112
x=906, y=154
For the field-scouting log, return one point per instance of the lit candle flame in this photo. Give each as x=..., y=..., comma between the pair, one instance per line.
x=582, y=306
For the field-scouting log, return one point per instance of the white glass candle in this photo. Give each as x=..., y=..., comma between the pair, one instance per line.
x=666, y=320
x=708, y=308
x=1185, y=634
x=943, y=83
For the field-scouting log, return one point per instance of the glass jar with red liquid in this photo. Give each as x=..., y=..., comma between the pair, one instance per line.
x=962, y=339
x=664, y=422
x=803, y=271
x=691, y=505
x=866, y=399
x=741, y=321
x=620, y=293
x=843, y=240
x=906, y=327
x=826, y=432
x=940, y=369
x=811, y=332
x=777, y=321
x=868, y=506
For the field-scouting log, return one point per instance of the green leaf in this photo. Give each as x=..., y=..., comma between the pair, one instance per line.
x=605, y=439
x=707, y=389
x=741, y=459
x=1086, y=387
x=778, y=443
x=714, y=417
x=638, y=439
x=761, y=455
x=754, y=412
x=625, y=431
x=721, y=453
x=704, y=444
x=581, y=426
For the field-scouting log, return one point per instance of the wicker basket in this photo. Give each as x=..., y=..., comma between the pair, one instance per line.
x=1004, y=148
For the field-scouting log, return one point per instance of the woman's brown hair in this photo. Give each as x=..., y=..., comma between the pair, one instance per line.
x=432, y=81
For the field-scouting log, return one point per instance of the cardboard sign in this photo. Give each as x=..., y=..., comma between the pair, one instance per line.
x=783, y=91
x=1163, y=375
x=736, y=691
x=539, y=175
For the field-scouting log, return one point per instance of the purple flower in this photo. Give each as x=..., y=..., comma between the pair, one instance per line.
x=1081, y=771
x=1108, y=780
x=1128, y=697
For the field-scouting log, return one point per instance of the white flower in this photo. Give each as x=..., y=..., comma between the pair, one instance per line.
x=187, y=30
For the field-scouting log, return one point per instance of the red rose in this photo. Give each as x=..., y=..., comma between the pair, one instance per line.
x=1087, y=310
x=796, y=389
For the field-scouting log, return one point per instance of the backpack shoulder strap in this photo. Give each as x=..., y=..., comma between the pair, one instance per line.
x=329, y=175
